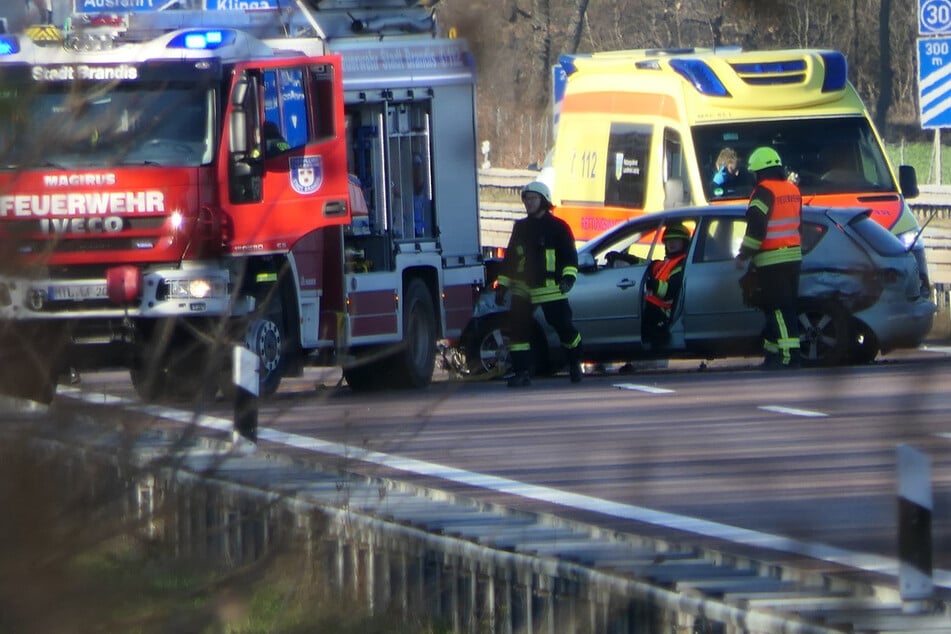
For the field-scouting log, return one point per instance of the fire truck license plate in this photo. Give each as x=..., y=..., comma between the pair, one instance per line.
x=77, y=292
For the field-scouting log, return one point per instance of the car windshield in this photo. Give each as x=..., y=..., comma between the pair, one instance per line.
x=829, y=155
x=72, y=126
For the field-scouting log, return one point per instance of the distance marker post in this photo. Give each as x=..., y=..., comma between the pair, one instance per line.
x=914, y=525
x=245, y=376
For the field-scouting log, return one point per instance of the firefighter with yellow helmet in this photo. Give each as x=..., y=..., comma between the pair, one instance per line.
x=772, y=246
x=662, y=287
x=540, y=267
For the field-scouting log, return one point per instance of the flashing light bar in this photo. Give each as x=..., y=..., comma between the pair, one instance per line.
x=203, y=39
x=9, y=45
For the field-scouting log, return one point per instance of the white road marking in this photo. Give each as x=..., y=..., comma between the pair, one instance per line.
x=863, y=561
x=642, y=388
x=941, y=349
x=779, y=409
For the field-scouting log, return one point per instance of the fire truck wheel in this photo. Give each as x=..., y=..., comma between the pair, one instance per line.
x=367, y=371
x=416, y=358
x=148, y=380
x=266, y=338
x=29, y=379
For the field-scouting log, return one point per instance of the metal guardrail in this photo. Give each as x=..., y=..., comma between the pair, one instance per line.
x=475, y=567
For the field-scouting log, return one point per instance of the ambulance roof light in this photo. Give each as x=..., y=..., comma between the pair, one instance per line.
x=568, y=63
x=837, y=71
x=9, y=45
x=203, y=39
x=700, y=76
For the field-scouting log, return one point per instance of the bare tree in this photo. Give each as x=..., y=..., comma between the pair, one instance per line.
x=517, y=41
x=885, y=68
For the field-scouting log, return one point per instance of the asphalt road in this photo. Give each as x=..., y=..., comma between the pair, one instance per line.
x=801, y=462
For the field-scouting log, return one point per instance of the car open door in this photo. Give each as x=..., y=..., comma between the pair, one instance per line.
x=713, y=301
x=607, y=298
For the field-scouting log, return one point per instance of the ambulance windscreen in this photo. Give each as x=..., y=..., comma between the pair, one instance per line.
x=830, y=155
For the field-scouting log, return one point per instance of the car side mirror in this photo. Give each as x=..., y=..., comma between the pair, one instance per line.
x=586, y=262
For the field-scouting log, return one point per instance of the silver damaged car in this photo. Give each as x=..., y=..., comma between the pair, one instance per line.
x=861, y=293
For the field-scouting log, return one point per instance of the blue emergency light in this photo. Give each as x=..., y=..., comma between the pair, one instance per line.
x=203, y=39
x=701, y=76
x=837, y=71
x=9, y=45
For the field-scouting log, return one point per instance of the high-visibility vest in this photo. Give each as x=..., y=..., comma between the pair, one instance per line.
x=661, y=271
x=782, y=224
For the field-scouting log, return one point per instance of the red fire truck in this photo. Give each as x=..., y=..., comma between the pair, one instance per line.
x=302, y=181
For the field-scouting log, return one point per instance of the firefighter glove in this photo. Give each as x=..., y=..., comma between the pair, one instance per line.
x=566, y=284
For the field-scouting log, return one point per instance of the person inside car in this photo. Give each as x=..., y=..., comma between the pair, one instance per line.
x=662, y=287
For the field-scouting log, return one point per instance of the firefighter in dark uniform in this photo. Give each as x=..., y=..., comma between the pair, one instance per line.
x=772, y=245
x=662, y=287
x=540, y=267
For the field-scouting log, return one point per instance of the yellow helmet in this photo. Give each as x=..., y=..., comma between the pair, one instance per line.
x=676, y=230
x=762, y=158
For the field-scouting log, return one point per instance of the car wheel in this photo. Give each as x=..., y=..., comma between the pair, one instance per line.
x=824, y=333
x=487, y=349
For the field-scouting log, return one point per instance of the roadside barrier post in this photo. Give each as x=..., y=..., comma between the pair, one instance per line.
x=245, y=376
x=914, y=526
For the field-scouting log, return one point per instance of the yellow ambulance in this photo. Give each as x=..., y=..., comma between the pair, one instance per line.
x=642, y=130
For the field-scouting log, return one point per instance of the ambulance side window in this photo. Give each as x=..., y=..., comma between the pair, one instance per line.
x=676, y=185
x=626, y=174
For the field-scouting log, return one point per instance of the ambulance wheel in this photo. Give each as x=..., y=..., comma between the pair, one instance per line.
x=824, y=333
x=864, y=346
x=416, y=358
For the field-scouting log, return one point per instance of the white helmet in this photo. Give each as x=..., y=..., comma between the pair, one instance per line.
x=539, y=188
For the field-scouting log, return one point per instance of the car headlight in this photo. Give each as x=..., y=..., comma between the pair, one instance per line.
x=911, y=238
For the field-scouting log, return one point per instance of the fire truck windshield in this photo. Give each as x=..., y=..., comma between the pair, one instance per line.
x=836, y=155
x=69, y=126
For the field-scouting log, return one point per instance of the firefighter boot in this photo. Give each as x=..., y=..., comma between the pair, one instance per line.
x=574, y=364
x=520, y=376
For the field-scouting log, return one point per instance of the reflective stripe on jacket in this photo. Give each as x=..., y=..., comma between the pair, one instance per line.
x=541, y=251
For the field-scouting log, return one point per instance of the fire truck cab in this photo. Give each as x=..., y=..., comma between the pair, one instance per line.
x=302, y=181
